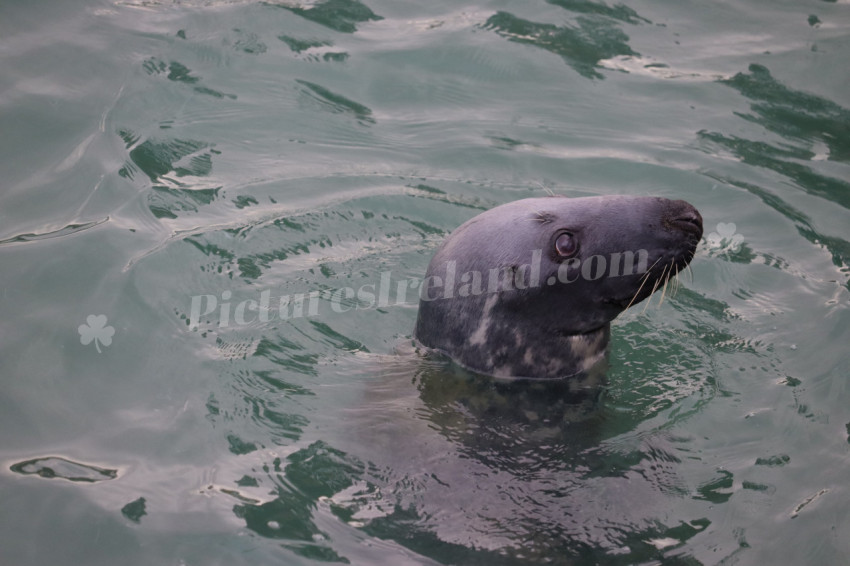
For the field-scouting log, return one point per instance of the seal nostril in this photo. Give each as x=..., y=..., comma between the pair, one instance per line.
x=692, y=218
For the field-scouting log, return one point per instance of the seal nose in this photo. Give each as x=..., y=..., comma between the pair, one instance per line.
x=685, y=217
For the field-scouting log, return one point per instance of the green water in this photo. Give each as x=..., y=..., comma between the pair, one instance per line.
x=156, y=152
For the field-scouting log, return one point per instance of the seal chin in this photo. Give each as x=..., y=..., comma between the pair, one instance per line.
x=567, y=333
x=528, y=289
x=621, y=303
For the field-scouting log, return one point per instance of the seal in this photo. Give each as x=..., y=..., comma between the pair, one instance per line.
x=528, y=289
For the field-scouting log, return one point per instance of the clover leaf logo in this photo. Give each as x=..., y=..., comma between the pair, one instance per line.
x=96, y=329
x=725, y=237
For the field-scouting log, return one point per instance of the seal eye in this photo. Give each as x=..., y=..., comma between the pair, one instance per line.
x=566, y=245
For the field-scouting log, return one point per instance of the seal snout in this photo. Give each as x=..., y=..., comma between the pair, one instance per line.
x=686, y=218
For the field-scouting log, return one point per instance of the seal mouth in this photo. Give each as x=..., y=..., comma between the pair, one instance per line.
x=664, y=270
x=686, y=219
x=569, y=333
x=690, y=222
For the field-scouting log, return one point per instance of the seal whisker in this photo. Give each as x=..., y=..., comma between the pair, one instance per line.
x=636, y=294
x=665, y=276
x=646, y=305
x=649, y=271
x=688, y=264
x=644, y=279
x=671, y=275
x=542, y=217
x=548, y=191
x=654, y=288
x=666, y=280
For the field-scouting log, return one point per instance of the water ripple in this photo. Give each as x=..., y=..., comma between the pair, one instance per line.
x=68, y=230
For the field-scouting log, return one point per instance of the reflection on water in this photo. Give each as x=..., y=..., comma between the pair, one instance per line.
x=337, y=103
x=795, y=115
x=461, y=468
x=339, y=15
x=812, y=129
x=57, y=467
x=582, y=47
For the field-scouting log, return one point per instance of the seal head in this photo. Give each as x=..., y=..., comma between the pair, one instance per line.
x=528, y=289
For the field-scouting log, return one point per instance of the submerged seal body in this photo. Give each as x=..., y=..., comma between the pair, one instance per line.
x=528, y=289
